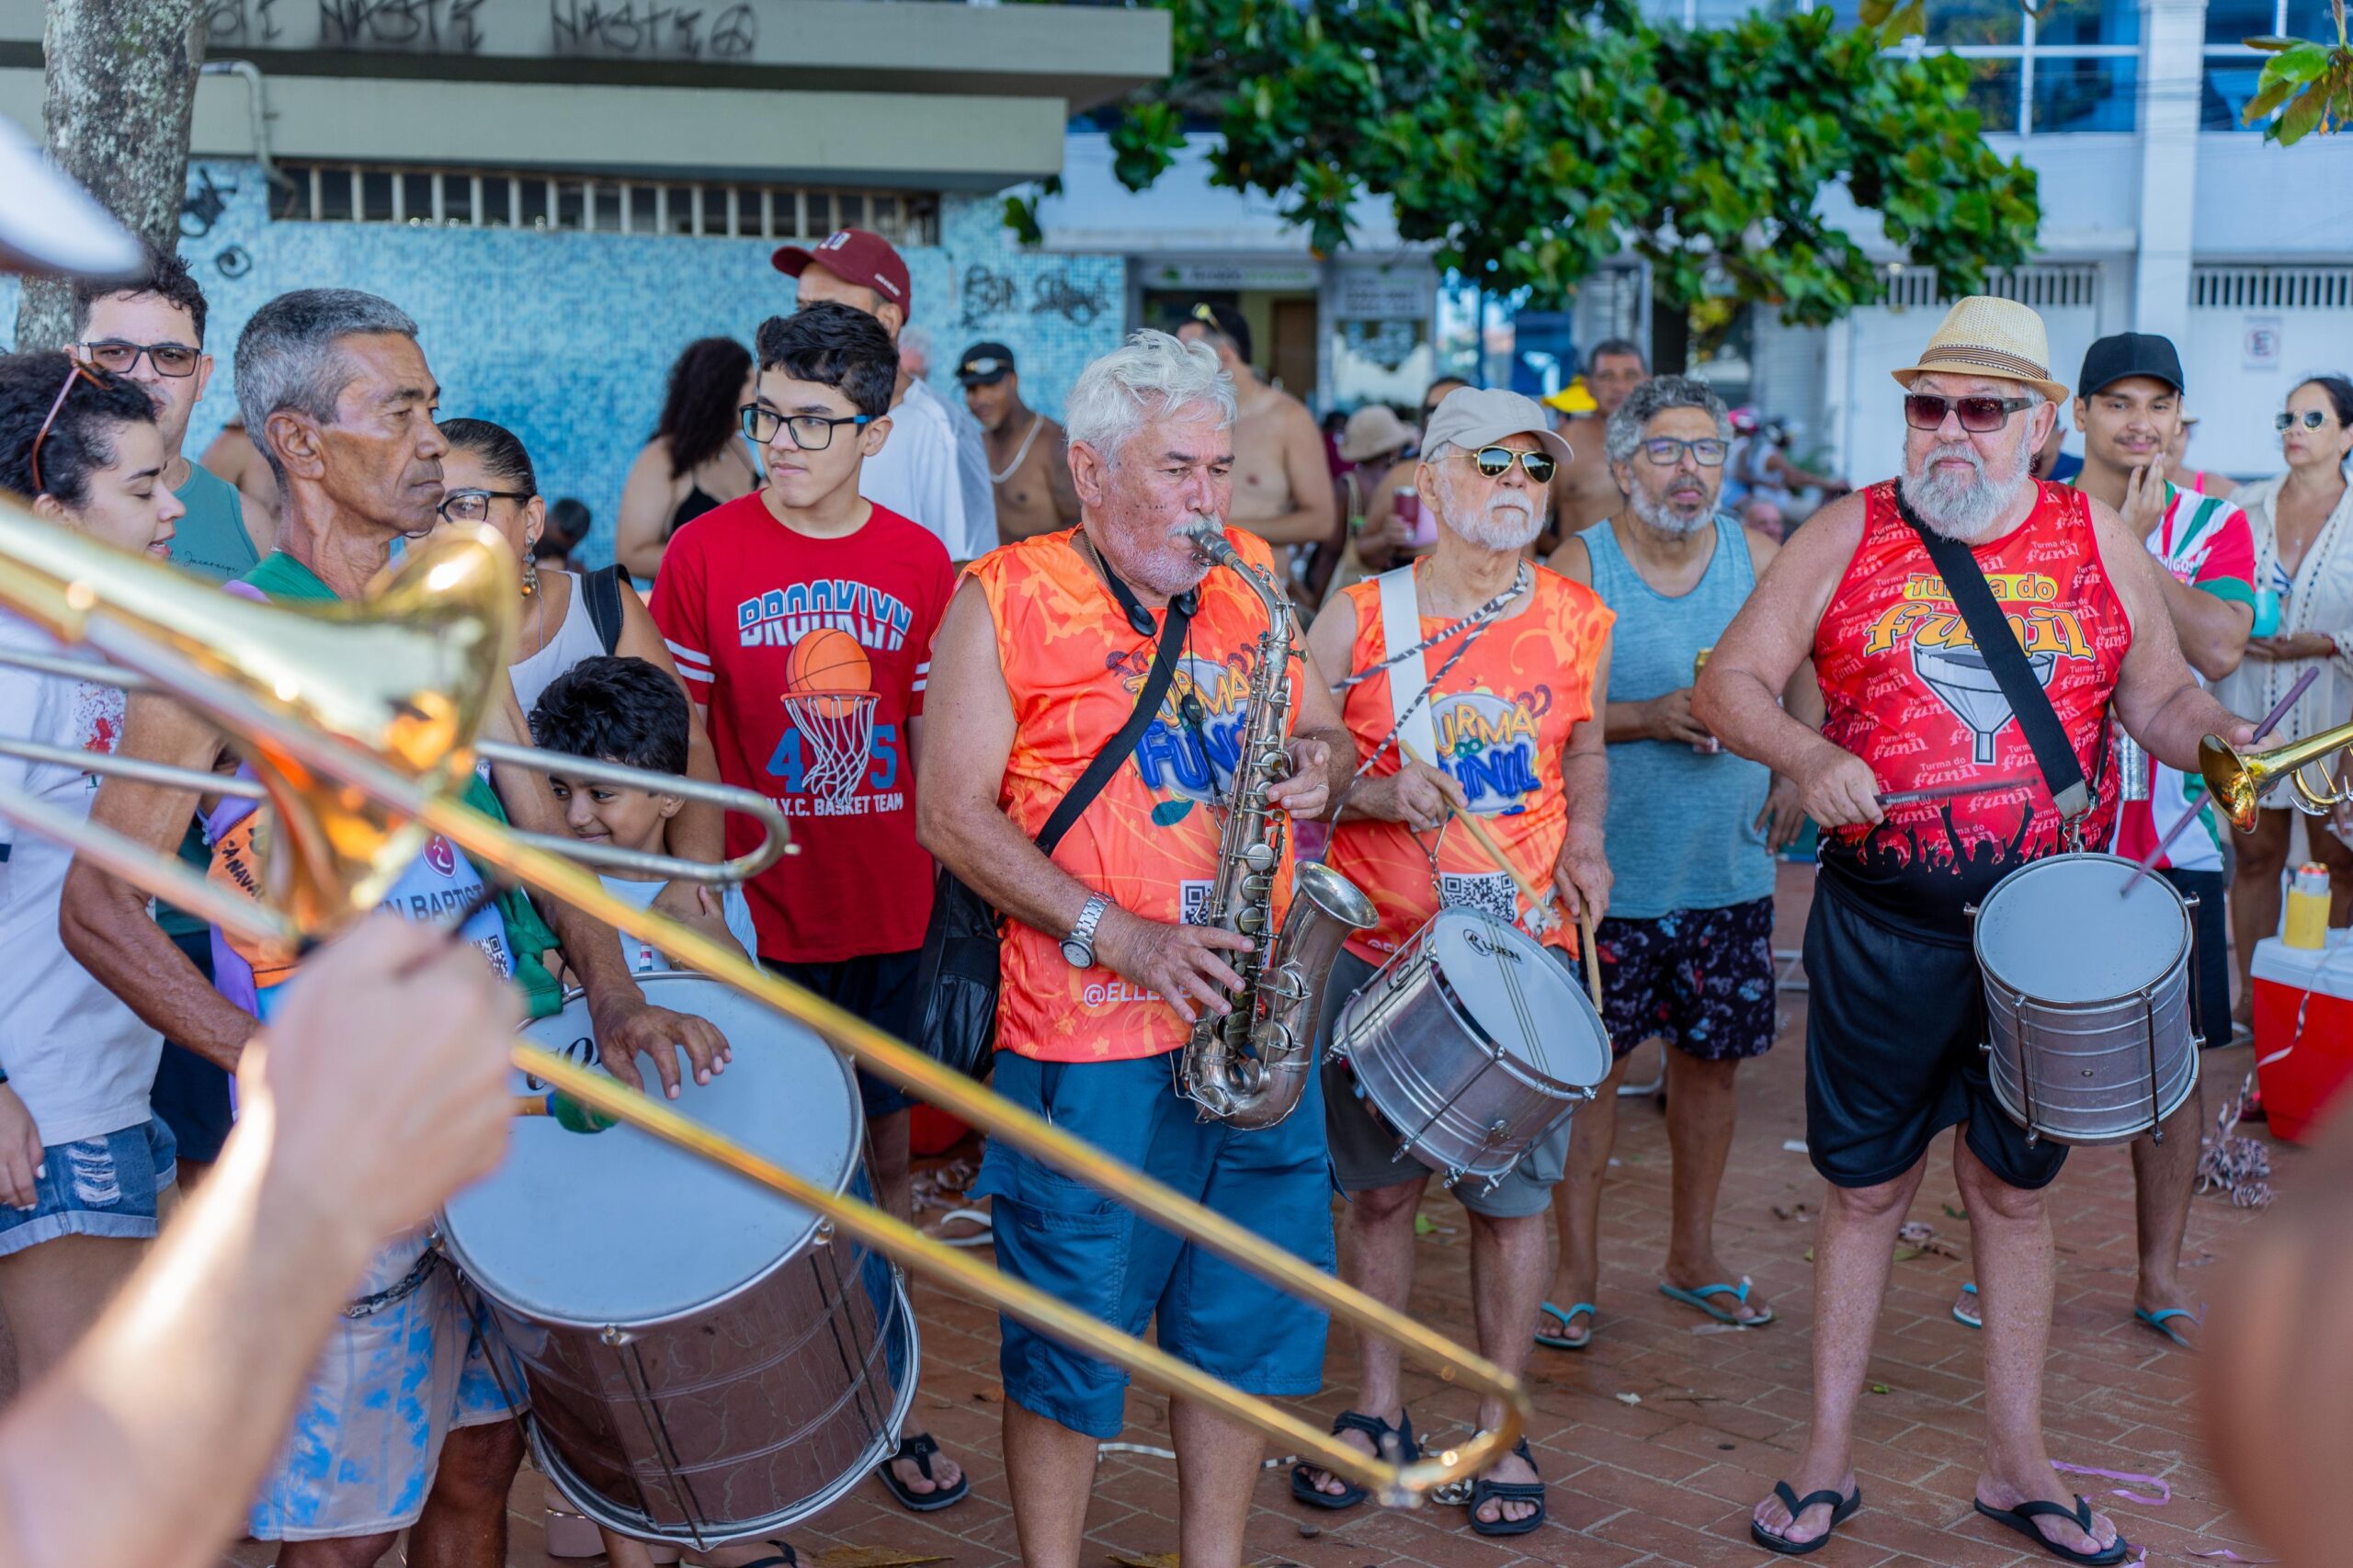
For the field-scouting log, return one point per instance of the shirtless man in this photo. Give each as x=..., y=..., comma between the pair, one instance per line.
x=1029, y=463
x=1583, y=491
x=1282, y=481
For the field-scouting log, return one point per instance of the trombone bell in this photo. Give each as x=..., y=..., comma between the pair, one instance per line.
x=2238, y=780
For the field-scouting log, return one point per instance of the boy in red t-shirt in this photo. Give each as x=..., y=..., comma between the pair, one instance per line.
x=802, y=618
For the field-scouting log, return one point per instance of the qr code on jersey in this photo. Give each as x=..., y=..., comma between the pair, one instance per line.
x=1489, y=893
x=1194, y=909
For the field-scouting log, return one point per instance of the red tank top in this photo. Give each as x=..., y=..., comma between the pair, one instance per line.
x=1906, y=691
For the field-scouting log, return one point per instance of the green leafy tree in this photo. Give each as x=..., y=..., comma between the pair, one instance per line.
x=1532, y=142
x=2310, y=83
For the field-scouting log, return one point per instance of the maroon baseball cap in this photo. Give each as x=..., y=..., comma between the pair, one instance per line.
x=854, y=255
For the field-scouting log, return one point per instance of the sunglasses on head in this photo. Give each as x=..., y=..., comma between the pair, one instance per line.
x=2313, y=419
x=79, y=372
x=1495, y=462
x=1925, y=410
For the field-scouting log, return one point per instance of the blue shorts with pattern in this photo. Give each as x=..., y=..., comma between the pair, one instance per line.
x=1068, y=1240
x=108, y=1186
x=387, y=1391
x=1701, y=979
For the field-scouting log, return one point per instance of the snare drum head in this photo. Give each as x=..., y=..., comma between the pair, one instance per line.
x=2062, y=930
x=1521, y=998
x=614, y=1228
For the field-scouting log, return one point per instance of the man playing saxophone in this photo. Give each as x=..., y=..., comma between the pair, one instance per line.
x=1474, y=679
x=1048, y=649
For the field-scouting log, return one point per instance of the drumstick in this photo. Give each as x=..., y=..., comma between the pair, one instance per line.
x=1540, y=900
x=2197, y=795
x=1954, y=791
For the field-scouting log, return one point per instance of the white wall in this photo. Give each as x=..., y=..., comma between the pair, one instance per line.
x=2242, y=360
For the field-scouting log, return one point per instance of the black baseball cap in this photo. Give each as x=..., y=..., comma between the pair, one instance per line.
x=984, y=365
x=2112, y=359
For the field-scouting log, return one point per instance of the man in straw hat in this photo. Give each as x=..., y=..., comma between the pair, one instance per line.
x=1898, y=1012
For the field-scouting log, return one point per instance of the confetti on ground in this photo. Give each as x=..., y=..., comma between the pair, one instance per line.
x=871, y=1557
x=1794, y=1146
x=1879, y=1388
x=1629, y=1399
x=1793, y=1211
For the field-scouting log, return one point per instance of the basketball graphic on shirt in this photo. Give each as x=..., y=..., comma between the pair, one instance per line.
x=829, y=696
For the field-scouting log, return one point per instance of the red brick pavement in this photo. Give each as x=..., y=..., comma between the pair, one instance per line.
x=1669, y=1480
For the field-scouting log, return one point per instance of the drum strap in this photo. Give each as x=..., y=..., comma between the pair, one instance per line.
x=1400, y=637
x=1990, y=630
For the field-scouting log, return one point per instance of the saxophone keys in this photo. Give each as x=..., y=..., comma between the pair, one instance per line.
x=1259, y=857
x=1251, y=922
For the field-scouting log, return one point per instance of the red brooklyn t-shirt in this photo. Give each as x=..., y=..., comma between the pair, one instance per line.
x=811, y=656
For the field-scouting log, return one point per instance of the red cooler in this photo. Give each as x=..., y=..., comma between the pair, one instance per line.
x=2303, y=1029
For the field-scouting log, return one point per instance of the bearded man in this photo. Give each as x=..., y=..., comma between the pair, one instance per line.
x=1897, y=1012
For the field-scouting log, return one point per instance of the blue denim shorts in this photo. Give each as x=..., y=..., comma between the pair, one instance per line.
x=1078, y=1247
x=107, y=1186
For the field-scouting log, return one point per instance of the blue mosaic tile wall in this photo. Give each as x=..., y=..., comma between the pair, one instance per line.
x=567, y=338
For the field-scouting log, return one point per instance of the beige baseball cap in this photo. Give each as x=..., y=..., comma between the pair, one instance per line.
x=50, y=224
x=1472, y=417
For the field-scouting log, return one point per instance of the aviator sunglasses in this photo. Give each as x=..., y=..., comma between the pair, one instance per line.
x=1925, y=410
x=1495, y=462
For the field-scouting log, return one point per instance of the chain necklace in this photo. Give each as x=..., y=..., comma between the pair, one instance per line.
x=1037, y=422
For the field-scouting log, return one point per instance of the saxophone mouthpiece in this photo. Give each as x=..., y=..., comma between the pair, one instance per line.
x=1207, y=536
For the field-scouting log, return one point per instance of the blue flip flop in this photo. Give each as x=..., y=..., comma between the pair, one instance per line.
x=1698, y=1299
x=1559, y=1342
x=2156, y=1321
x=1968, y=1290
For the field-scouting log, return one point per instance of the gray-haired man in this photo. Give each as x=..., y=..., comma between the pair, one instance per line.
x=402, y=1426
x=1687, y=951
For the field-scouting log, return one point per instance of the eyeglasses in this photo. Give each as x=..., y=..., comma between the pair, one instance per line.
x=80, y=373
x=176, y=361
x=811, y=432
x=2312, y=418
x=1666, y=451
x=1925, y=410
x=1495, y=462
x=473, y=505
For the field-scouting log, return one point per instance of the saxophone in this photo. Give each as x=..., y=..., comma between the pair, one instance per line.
x=1249, y=1067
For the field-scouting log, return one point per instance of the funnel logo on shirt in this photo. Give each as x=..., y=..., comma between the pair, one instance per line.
x=1487, y=745
x=1946, y=659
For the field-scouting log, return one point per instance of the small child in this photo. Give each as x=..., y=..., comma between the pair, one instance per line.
x=625, y=711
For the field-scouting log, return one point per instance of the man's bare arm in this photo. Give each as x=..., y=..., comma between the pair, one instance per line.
x=1739, y=697
x=2162, y=705
x=2213, y=632
x=105, y=922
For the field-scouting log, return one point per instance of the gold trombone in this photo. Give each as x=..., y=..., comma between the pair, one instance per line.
x=2238, y=780
x=360, y=721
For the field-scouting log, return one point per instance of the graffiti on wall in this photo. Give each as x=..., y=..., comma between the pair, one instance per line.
x=988, y=292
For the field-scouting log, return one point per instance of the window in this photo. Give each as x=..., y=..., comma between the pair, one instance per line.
x=2232, y=67
x=2071, y=65
x=346, y=193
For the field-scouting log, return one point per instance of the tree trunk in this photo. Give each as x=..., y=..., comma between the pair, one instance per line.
x=122, y=80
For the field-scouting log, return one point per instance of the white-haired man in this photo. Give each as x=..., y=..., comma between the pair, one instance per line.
x=1897, y=1007
x=1039, y=667
x=1495, y=717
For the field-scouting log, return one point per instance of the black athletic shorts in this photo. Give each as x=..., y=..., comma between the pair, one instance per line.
x=192, y=1095
x=1894, y=1030
x=2211, y=984
x=880, y=988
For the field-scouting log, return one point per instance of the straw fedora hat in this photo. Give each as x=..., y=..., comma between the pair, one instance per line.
x=1982, y=335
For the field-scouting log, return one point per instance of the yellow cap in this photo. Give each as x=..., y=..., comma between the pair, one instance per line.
x=1573, y=399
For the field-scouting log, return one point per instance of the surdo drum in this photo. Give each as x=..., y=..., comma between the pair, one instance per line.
x=2087, y=998
x=1471, y=1041
x=706, y=1361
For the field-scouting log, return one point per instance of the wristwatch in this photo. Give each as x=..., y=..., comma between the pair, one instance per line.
x=1078, y=948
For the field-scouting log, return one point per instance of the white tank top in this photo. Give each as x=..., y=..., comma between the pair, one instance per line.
x=574, y=641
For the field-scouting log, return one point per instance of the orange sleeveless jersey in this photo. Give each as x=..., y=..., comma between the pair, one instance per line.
x=1502, y=719
x=1075, y=667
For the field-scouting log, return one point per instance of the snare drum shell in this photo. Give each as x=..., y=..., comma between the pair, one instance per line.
x=2095, y=1070
x=1461, y=1104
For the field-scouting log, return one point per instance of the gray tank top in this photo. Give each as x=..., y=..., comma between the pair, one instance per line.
x=1682, y=824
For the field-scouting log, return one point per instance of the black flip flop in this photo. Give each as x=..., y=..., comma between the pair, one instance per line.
x=2021, y=1519
x=783, y=1557
x=1485, y=1490
x=1841, y=1510
x=1394, y=1444
x=920, y=1448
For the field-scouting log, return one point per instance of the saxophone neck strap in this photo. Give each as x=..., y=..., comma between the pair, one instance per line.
x=1401, y=638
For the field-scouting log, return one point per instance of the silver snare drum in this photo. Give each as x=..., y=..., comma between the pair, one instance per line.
x=2087, y=998
x=706, y=1361
x=1471, y=1041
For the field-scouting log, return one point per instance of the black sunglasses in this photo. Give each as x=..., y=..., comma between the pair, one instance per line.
x=175, y=360
x=2313, y=418
x=1495, y=462
x=811, y=432
x=1925, y=410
